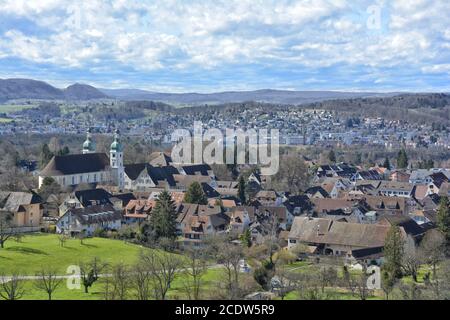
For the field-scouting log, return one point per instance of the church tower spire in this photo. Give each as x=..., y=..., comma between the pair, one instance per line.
x=116, y=161
x=89, y=144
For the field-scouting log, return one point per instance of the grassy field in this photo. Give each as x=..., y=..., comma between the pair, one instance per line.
x=32, y=252
x=35, y=251
x=8, y=108
x=96, y=291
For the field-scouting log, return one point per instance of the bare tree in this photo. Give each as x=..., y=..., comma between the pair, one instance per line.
x=230, y=256
x=309, y=287
x=162, y=267
x=120, y=282
x=194, y=272
x=89, y=272
x=48, y=281
x=432, y=248
x=360, y=282
x=141, y=282
x=327, y=276
x=411, y=259
x=6, y=227
x=440, y=286
x=357, y=284
x=293, y=175
x=62, y=239
x=285, y=282
x=409, y=291
x=11, y=287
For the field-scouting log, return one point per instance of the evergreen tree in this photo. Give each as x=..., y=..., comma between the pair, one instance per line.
x=195, y=194
x=402, y=159
x=163, y=219
x=64, y=151
x=46, y=155
x=443, y=219
x=241, y=190
x=246, y=238
x=393, y=252
x=332, y=156
x=387, y=164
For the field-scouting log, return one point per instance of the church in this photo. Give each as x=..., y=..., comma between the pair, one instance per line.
x=88, y=167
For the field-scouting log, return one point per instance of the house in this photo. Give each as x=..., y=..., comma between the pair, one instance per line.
x=25, y=207
x=399, y=176
x=420, y=191
x=325, y=205
x=444, y=190
x=144, y=176
x=436, y=180
x=160, y=159
x=85, y=198
x=341, y=170
x=367, y=175
x=225, y=203
x=335, y=237
x=395, y=189
x=298, y=205
x=239, y=220
x=196, y=170
x=195, y=222
x=91, y=197
x=268, y=197
x=316, y=192
x=409, y=226
x=138, y=211
x=386, y=205
x=87, y=220
x=182, y=182
x=366, y=257
x=346, y=210
x=177, y=196
x=272, y=214
x=336, y=187
x=226, y=188
x=424, y=176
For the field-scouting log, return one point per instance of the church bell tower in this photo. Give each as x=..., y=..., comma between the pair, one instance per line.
x=116, y=161
x=88, y=145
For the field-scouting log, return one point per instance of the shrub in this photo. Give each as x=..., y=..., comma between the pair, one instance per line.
x=261, y=276
x=100, y=233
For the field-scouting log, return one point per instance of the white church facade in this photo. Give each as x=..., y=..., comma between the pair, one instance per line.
x=88, y=167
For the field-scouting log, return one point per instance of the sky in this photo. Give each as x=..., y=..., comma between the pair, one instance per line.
x=208, y=46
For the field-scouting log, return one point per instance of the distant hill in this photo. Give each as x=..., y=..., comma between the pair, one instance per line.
x=29, y=89
x=32, y=89
x=266, y=95
x=414, y=107
x=83, y=92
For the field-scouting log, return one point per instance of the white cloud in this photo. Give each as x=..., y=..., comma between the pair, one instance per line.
x=215, y=35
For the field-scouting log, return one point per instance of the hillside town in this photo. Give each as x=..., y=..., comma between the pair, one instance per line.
x=344, y=212
x=297, y=126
